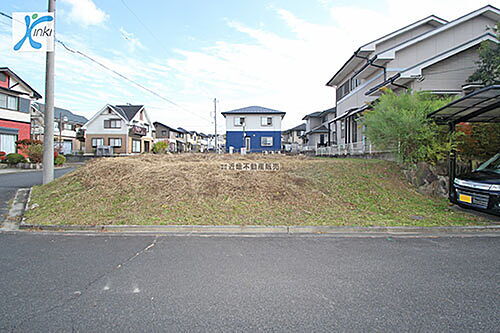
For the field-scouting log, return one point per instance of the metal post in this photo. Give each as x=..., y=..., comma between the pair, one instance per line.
x=216, y=144
x=48, y=136
x=452, y=163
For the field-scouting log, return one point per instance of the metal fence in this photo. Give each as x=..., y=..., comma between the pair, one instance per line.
x=353, y=148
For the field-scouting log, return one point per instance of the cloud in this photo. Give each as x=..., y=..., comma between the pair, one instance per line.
x=85, y=12
x=133, y=42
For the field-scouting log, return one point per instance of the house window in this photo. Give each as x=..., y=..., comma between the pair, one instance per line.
x=355, y=83
x=8, y=143
x=115, y=142
x=266, y=141
x=112, y=123
x=136, y=146
x=342, y=128
x=239, y=121
x=68, y=127
x=164, y=133
x=9, y=102
x=266, y=121
x=354, y=131
x=343, y=90
x=97, y=142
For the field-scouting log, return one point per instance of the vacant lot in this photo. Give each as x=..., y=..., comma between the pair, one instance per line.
x=194, y=189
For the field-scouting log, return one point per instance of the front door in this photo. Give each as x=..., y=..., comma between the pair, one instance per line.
x=146, y=146
x=247, y=143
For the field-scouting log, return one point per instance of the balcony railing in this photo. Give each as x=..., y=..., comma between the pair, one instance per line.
x=353, y=148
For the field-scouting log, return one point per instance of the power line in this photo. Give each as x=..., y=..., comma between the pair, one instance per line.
x=75, y=51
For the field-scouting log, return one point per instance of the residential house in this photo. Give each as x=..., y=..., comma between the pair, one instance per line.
x=125, y=128
x=15, y=99
x=254, y=128
x=293, y=138
x=65, y=141
x=169, y=135
x=185, y=137
x=203, y=142
x=317, y=132
x=431, y=55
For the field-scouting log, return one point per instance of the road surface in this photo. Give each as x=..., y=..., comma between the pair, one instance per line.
x=10, y=182
x=55, y=282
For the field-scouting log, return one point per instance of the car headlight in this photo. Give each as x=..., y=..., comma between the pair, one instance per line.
x=495, y=188
x=459, y=182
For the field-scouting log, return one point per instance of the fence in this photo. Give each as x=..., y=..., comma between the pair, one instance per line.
x=353, y=148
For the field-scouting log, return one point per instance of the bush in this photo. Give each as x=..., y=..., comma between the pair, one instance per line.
x=160, y=147
x=400, y=122
x=2, y=156
x=60, y=160
x=35, y=153
x=14, y=158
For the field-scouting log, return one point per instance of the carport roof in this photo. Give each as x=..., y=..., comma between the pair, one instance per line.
x=482, y=105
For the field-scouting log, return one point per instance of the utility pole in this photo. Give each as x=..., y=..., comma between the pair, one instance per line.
x=48, y=136
x=216, y=145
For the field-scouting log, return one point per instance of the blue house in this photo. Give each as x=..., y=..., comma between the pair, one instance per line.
x=255, y=128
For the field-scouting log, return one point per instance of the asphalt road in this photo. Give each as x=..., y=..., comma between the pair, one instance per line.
x=53, y=282
x=10, y=182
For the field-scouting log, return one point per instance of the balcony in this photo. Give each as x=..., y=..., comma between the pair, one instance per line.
x=138, y=130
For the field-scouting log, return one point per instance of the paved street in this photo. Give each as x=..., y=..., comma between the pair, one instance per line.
x=146, y=283
x=10, y=182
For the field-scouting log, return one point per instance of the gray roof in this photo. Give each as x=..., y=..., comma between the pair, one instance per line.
x=128, y=111
x=301, y=127
x=182, y=130
x=319, y=114
x=320, y=129
x=253, y=109
x=166, y=126
x=74, y=118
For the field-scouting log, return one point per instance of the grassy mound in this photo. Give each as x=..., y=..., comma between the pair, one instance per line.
x=193, y=189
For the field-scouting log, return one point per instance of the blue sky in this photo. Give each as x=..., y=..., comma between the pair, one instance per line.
x=276, y=54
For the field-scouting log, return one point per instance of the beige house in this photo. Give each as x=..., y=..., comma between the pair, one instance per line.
x=126, y=129
x=293, y=139
x=169, y=135
x=67, y=140
x=429, y=55
x=317, y=132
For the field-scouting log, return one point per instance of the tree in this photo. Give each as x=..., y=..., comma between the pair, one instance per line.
x=400, y=122
x=488, y=72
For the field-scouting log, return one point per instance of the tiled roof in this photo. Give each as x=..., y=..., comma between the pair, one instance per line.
x=254, y=109
x=128, y=111
x=166, y=126
x=301, y=127
x=320, y=129
x=74, y=118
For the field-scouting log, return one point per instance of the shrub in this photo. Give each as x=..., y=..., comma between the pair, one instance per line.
x=2, y=156
x=400, y=122
x=60, y=160
x=160, y=147
x=56, y=153
x=14, y=158
x=35, y=153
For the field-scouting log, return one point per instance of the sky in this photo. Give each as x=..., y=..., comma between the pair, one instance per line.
x=277, y=54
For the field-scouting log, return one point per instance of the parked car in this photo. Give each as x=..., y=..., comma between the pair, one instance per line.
x=480, y=189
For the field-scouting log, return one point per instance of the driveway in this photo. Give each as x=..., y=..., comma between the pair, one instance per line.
x=10, y=182
x=61, y=282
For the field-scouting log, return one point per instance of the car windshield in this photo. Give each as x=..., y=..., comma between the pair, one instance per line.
x=493, y=164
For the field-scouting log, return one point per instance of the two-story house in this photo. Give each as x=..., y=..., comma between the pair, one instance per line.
x=65, y=141
x=15, y=100
x=431, y=55
x=254, y=128
x=293, y=138
x=125, y=128
x=169, y=135
x=317, y=132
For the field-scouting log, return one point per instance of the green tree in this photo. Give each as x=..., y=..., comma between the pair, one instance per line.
x=160, y=147
x=400, y=122
x=488, y=72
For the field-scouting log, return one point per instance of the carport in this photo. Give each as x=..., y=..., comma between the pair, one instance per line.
x=480, y=106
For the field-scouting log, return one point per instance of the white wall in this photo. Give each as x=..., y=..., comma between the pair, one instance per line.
x=96, y=126
x=253, y=122
x=15, y=115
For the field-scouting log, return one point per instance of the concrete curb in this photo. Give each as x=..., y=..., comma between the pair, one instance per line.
x=235, y=229
x=17, y=209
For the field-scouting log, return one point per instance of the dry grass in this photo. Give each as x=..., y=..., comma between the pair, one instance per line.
x=192, y=189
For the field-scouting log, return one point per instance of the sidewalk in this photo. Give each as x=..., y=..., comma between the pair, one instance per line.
x=16, y=170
